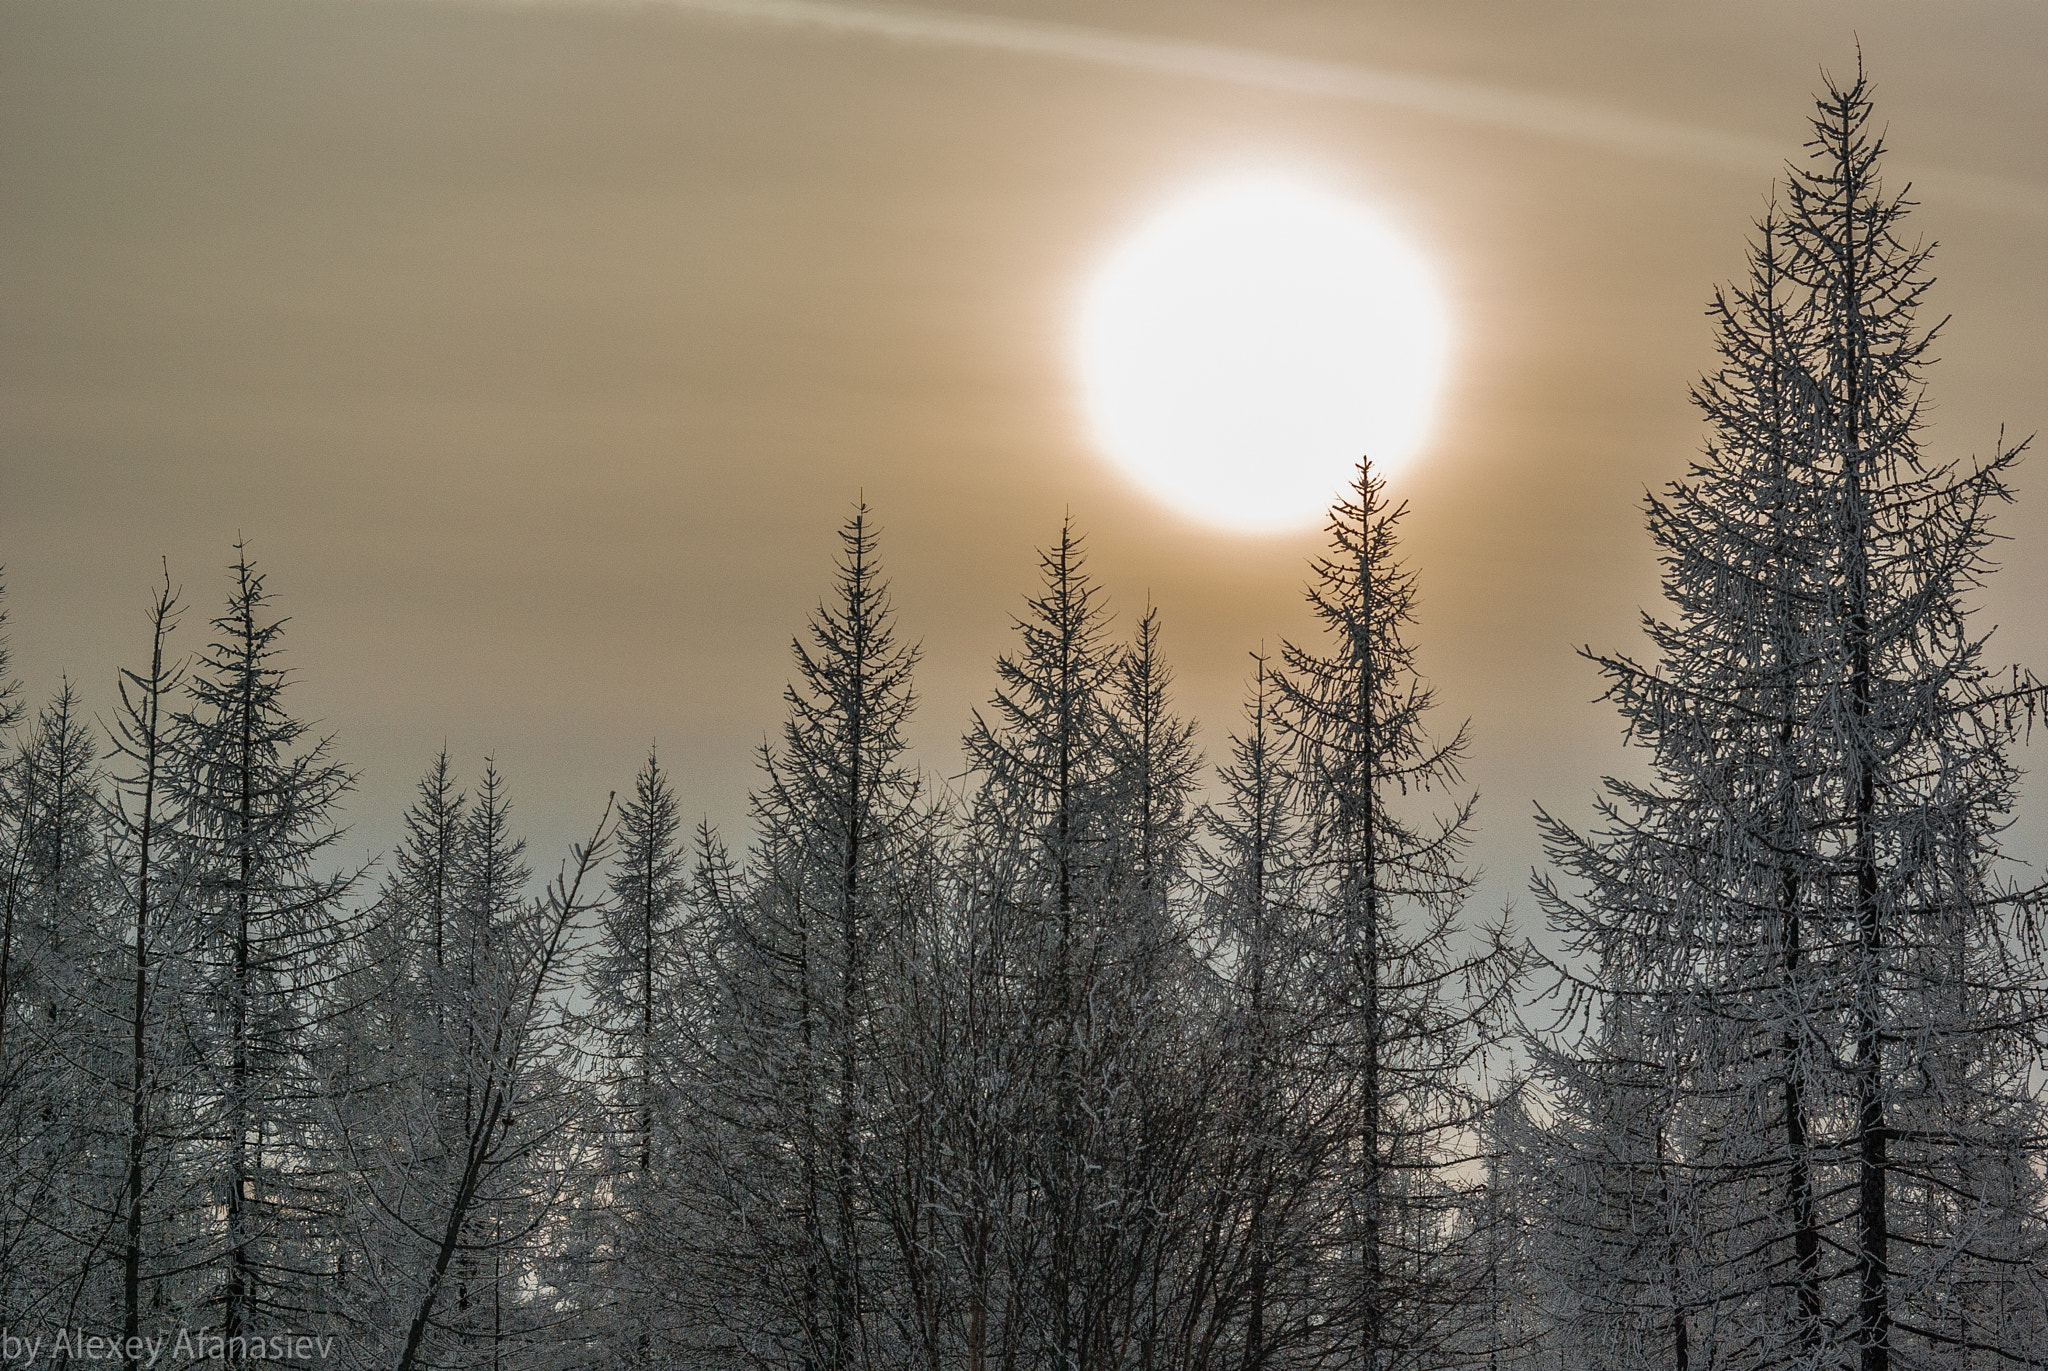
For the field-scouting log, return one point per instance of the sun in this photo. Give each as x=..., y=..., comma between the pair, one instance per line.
x=1250, y=342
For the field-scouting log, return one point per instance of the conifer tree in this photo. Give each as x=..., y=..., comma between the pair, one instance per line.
x=839, y=822
x=476, y=1186
x=1276, y=1122
x=1720, y=863
x=453, y=1095
x=386, y=1080
x=1803, y=918
x=489, y=883
x=257, y=805
x=10, y=688
x=632, y=974
x=398, y=1042
x=421, y=894
x=148, y=884
x=44, y=949
x=1153, y=755
x=1048, y=799
x=714, y=1262
x=54, y=1067
x=634, y=979
x=1406, y=1013
x=1946, y=1032
x=1158, y=1064
x=14, y=828
x=15, y=801
x=968, y=1032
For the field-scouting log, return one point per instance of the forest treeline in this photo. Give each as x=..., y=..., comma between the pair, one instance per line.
x=1099, y=1058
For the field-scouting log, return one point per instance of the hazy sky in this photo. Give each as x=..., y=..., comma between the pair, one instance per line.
x=537, y=349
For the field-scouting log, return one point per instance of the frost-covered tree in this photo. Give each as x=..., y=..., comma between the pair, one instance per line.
x=388, y=1079
x=488, y=885
x=1048, y=807
x=1086, y=996
x=632, y=972
x=10, y=688
x=1269, y=1175
x=1715, y=866
x=1147, y=1279
x=1946, y=1023
x=635, y=979
x=257, y=801
x=1799, y=932
x=147, y=883
x=453, y=1094
x=709, y=1262
x=54, y=884
x=54, y=1055
x=420, y=895
x=1406, y=1010
x=1152, y=753
x=839, y=826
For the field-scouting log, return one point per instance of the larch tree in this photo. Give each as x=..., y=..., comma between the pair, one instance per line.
x=1047, y=801
x=389, y=1082
x=1946, y=1022
x=454, y=1092
x=54, y=886
x=147, y=883
x=420, y=894
x=840, y=822
x=1407, y=1010
x=634, y=981
x=1802, y=927
x=1153, y=754
x=1157, y=1065
x=716, y=1261
x=484, y=1183
x=10, y=688
x=257, y=802
x=55, y=1056
x=1270, y=1176
x=489, y=881
x=1714, y=866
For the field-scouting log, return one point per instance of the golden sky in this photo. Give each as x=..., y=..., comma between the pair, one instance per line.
x=537, y=349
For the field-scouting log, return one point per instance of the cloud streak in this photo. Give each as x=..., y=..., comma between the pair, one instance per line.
x=1475, y=104
x=1466, y=102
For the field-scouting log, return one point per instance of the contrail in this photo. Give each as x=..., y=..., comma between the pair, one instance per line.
x=1468, y=102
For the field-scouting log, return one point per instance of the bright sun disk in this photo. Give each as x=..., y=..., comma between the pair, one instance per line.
x=1247, y=345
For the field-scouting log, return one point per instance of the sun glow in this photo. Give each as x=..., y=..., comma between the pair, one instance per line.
x=1247, y=345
